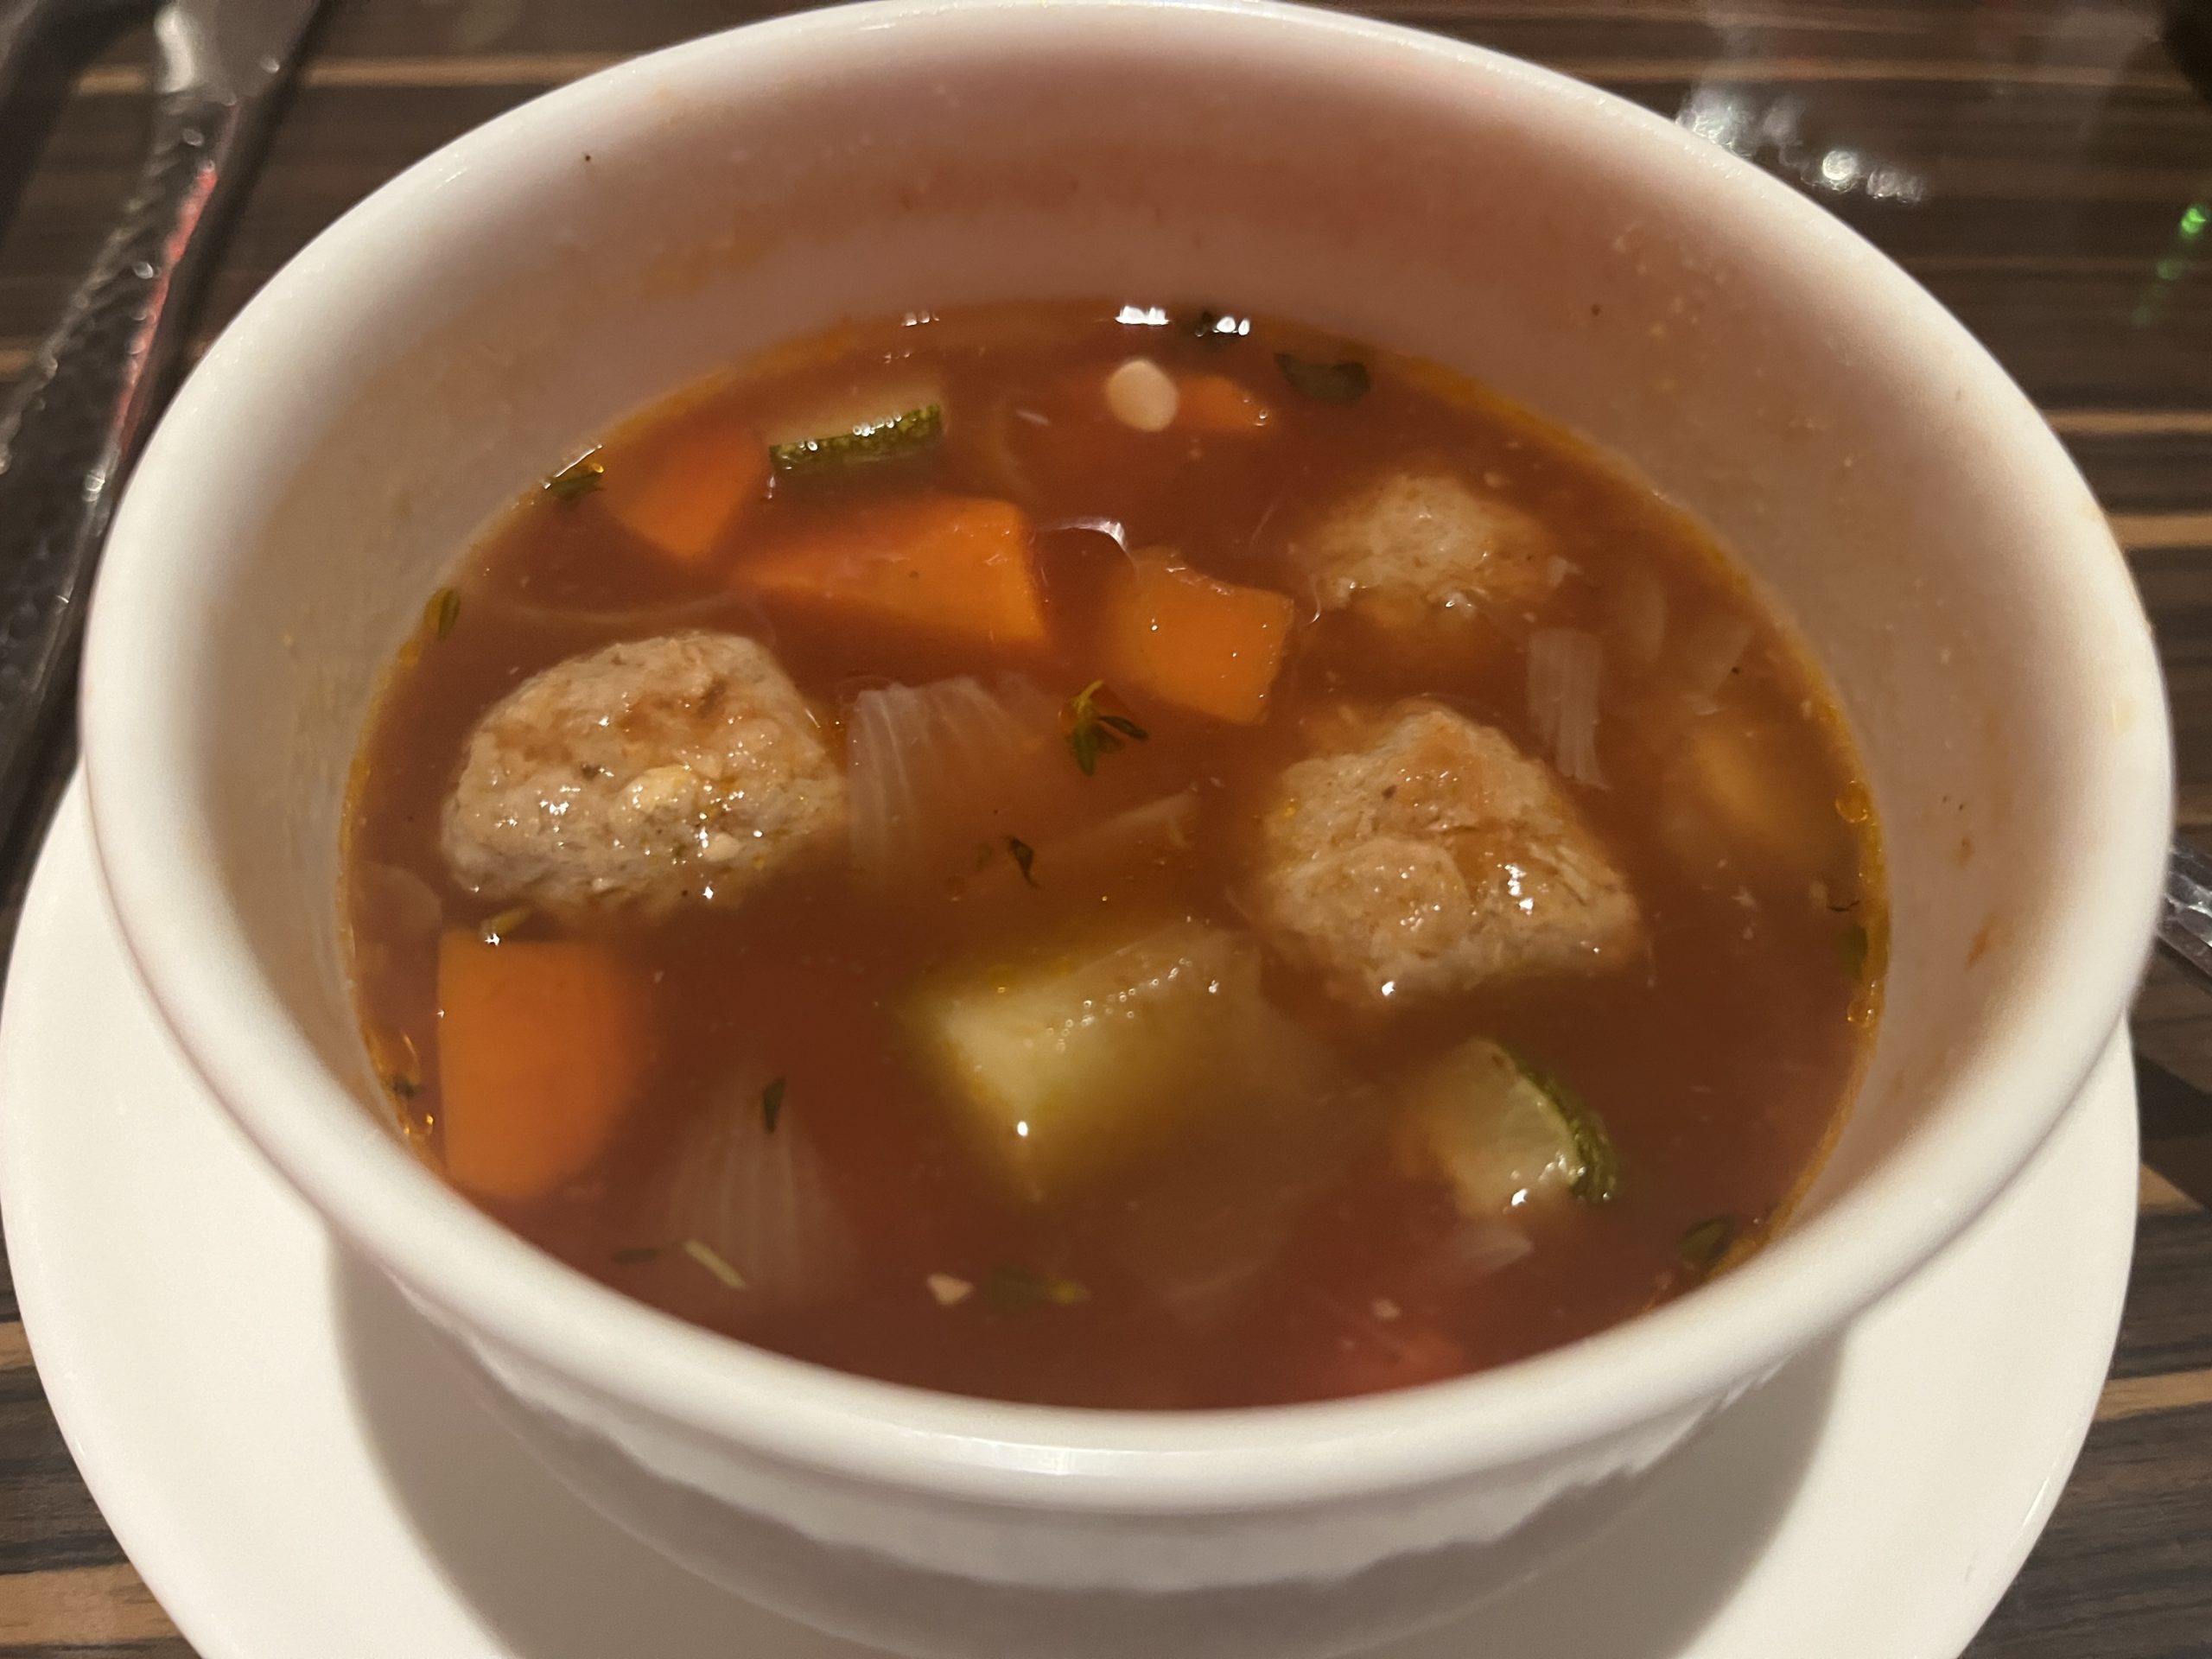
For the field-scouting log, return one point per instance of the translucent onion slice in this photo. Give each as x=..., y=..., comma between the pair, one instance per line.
x=758, y=1199
x=1709, y=653
x=938, y=770
x=1638, y=615
x=1564, y=665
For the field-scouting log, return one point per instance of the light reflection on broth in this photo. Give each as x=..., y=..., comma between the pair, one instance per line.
x=1050, y=854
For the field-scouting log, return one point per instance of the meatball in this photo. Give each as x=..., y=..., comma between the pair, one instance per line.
x=644, y=773
x=1415, y=542
x=1428, y=856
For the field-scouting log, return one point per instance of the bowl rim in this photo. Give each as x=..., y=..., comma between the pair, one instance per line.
x=206, y=982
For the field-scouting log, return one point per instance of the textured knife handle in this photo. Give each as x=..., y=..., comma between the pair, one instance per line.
x=72, y=425
x=2185, y=919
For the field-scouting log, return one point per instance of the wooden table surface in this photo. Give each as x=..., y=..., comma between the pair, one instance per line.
x=2046, y=168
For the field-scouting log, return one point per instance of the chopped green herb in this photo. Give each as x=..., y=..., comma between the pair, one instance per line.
x=1014, y=1289
x=441, y=612
x=707, y=1258
x=1024, y=855
x=497, y=929
x=637, y=1255
x=1853, y=947
x=772, y=1104
x=1330, y=383
x=1091, y=734
x=394, y=1055
x=578, y=478
x=884, y=440
x=984, y=854
x=1703, y=1245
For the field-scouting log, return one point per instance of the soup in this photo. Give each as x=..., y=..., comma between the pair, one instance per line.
x=1126, y=858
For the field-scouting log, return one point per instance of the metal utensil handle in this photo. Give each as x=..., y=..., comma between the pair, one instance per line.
x=73, y=424
x=2185, y=919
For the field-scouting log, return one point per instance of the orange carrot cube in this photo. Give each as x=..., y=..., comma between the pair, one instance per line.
x=543, y=1048
x=1215, y=404
x=1179, y=635
x=956, y=568
x=685, y=491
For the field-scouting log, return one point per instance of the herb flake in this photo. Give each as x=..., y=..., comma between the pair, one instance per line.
x=636, y=1256
x=398, y=1063
x=1091, y=733
x=1329, y=383
x=578, y=478
x=1024, y=854
x=708, y=1257
x=1704, y=1244
x=1013, y=1290
x=1853, y=946
x=772, y=1104
x=442, y=611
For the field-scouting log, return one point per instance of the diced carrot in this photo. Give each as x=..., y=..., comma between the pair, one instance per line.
x=1214, y=403
x=1181, y=636
x=952, y=568
x=542, y=1049
x=683, y=491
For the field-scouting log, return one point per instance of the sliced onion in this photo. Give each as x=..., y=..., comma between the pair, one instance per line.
x=1110, y=528
x=729, y=610
x=1563, y=670
x=935, y=770
x=1709, y=650
x=996, y=447
x=1479, y=1249
x=1638, y=605
x=398, y=897
x=1149, y=835
x=757, y=1197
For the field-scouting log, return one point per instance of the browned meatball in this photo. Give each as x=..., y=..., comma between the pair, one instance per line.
x=1426, y=855
x=644, y=773
x=1420, y=543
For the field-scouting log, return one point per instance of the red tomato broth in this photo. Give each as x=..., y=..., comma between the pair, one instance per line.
x=1718, y=1062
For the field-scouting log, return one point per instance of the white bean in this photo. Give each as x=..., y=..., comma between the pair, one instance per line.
x=1140, y=394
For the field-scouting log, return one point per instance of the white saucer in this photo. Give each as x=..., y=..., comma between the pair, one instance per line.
x=295, y=1469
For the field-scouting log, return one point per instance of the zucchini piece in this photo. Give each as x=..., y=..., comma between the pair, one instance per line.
x=908, y=421
x=1502, y=1135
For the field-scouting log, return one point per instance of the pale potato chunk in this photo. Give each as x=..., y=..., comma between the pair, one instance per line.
x=1068, y=1069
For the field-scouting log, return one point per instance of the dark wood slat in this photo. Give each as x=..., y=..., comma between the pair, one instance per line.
x=46, y=1518
x=2147, y=472
x=2165, y=1329
x=2121, y=1570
